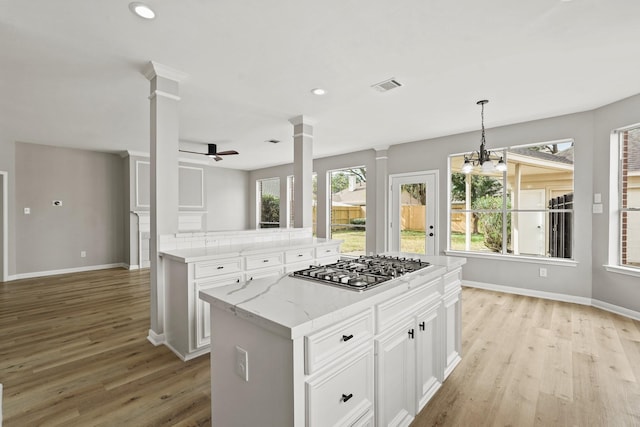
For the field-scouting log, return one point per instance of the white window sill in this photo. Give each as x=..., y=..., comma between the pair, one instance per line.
x=515, y=258
x=629, y=271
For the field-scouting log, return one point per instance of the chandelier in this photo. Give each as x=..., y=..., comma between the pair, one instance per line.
x=483, y=157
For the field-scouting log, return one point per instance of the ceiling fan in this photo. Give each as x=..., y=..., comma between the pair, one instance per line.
x=213, y=152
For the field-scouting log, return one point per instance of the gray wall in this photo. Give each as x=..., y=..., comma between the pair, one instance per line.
x=91, y=188
x=227, y=199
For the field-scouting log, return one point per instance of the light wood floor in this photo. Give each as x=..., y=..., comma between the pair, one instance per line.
x=73, y=352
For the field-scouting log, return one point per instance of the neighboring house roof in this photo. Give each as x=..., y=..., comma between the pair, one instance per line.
x=565, y=156
x=356, y=197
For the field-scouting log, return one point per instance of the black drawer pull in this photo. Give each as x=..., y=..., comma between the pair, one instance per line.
x=346, y=338
x=237, y=280
x=265, y=260
x=300, y=255
x=422, y=326
x=411, y=333
x=346, y=397
x=220, y=267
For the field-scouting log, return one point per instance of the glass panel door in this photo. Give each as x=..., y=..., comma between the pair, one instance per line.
x=413, y=213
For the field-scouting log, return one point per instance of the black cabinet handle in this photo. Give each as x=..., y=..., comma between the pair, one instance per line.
x=299, y=255
x=421, y=326
x=237, y=280
x=346, y=338
x=220, y=267
x=411, y=333
x=346, y=397
x=265, y=260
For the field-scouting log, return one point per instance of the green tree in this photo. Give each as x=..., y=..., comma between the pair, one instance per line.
x=490, y=223
x=481, y=186
x=269, y=211
x=417, y=191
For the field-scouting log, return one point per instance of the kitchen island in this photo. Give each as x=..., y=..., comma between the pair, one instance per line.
x=294, y=352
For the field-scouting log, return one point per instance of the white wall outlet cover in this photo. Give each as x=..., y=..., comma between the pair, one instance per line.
x=57, y=203
x=27, y=211
x=543, y=272
x=597, y=208
x=242, y=363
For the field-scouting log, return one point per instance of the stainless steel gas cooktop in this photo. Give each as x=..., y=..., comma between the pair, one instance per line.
x=361, y=273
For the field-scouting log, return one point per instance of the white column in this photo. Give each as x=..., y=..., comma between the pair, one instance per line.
x=164, y=137
x=302, y=171
x=382, y=192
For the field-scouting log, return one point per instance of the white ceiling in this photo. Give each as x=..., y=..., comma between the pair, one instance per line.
x=71, y=71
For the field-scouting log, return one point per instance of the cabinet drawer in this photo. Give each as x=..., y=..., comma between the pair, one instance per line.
x=342, y=395
x=390, y=312
x=262, y=273
x=327, y=251
x=328, y=344
x=298, y=255
x=217, y=267
x=264, y=261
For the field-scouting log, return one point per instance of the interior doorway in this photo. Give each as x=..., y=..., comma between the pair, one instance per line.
x=413, y=217
x=4, y=226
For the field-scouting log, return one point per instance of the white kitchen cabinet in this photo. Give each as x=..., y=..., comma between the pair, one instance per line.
x=408, y=354
x=203, y=313
x=429, y=365
x=453, y=321
x=341, y=395
x=187, y=317
x=321, y=356
x=395, y=375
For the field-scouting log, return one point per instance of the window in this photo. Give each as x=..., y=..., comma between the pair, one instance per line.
x=268, y=191
x=629, y=197
x=290, y=201
x=349, y=209
x=527, y=210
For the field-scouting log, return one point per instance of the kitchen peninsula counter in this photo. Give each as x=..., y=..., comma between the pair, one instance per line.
x=289, y=351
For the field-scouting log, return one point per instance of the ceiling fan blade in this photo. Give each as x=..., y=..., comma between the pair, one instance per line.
x=227, y=153
x=192, y=152
x=217, y=158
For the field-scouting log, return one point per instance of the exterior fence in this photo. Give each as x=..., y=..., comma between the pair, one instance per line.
x=412, y=217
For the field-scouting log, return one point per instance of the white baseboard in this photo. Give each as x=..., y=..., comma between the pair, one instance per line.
x=616, y=309
x=154, y=338
x=556, y=297
x=66, y=271
x=189, y=356
x=133, y=267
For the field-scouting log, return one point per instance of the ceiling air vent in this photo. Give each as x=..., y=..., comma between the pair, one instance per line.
x=386, y=85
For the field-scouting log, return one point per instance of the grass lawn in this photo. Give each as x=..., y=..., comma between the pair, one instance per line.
x=412, y=241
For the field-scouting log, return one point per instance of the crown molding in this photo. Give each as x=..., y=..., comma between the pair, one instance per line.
x=153, y=69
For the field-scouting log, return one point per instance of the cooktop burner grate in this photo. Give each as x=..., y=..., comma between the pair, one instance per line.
x=363, y=272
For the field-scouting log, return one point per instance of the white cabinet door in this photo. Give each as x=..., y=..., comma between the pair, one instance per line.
x=453, y=340
x=395, y=375
x=429, y=366
x=203, y=313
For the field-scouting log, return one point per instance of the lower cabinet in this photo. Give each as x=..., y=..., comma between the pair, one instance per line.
x=453, y=334
x=341, y=395
x=203, y=312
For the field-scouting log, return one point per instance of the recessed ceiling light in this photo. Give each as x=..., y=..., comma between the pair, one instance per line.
x=142, y=10
x=318, y=91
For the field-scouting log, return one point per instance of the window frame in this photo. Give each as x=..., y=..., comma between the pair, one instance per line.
x=259, y=202
x=504, y=192
x=616, y=193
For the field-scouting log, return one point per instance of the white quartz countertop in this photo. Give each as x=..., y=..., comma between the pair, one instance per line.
x=293, y=307
x=234, y=250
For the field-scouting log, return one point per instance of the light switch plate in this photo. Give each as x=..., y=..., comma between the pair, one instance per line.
x=597, y=198
x=27, y=211
x=597, y=208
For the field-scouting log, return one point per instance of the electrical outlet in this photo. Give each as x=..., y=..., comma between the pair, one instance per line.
x=543, y=272
x=83, y=254
x=27, y=211
x=242, y=363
